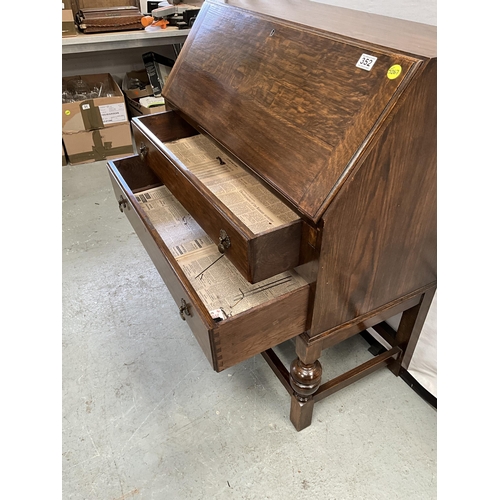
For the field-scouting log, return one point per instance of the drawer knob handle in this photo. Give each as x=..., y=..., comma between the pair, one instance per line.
x=224, y=241
x=143, y=151
x=184, y=309
x=122, y=203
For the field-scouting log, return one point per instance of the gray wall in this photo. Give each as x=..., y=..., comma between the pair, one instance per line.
x=423, y=11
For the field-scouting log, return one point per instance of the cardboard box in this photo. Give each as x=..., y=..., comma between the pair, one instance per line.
x=95, y=128
x=68, y=22
x=101, y=144
x=132, y=95
x=136, y=84
x=135, y=109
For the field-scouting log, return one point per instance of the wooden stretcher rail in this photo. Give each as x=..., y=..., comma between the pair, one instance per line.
x=337, y=383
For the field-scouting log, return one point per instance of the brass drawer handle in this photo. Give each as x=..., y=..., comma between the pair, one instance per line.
x=224, y=241
x=184, y=309
x=122, y=203
x=143, y=151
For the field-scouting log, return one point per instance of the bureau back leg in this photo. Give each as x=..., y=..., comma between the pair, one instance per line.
x=408, y=332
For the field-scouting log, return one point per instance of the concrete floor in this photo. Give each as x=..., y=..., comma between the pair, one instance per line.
x=146, y=417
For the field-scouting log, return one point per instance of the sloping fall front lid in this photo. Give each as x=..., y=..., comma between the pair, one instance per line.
x=294, y=104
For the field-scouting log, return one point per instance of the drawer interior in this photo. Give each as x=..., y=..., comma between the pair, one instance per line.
x=222, y=289
x=241, y=192
x=220, y=286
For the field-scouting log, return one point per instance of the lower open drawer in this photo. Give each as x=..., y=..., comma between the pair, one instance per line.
x=231, y=318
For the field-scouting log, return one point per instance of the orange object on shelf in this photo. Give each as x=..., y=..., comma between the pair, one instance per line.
x=150, y=21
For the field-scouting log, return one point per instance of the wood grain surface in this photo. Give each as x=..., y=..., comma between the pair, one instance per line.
x=380, y=234
x=289, y=102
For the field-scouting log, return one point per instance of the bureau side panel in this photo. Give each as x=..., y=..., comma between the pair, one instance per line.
x=379, y=239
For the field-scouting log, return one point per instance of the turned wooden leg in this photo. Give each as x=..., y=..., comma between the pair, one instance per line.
x=305, y=379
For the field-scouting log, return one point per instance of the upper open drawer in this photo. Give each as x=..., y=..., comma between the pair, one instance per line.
x=296, y=105
x=259, y=233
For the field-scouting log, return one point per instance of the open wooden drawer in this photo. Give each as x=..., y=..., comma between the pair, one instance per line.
x=257, y=231
x=250, y=318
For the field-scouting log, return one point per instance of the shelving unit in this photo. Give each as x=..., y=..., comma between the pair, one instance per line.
x=119, y=52
x=99, y=42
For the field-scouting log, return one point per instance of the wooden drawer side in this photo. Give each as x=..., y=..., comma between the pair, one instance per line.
x=275, y=252
x=161, y=257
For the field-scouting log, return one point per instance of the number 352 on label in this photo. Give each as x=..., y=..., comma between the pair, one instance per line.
x=366, y=62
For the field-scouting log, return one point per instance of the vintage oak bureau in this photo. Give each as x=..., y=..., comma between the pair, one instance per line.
x=290, y=190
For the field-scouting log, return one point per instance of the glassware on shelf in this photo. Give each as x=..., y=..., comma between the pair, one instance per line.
x=77, y=89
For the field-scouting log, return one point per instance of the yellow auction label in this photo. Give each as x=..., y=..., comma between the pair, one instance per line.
x=394, y=71
x=67, y=112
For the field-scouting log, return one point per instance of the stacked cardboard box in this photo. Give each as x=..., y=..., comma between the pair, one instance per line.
x=95, y=124
x=68, y=21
